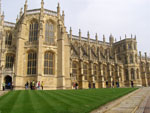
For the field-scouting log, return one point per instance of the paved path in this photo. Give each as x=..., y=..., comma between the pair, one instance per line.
x=3, y=92
x=135, y=102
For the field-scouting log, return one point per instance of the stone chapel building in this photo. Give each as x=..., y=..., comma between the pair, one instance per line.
x=38, y=47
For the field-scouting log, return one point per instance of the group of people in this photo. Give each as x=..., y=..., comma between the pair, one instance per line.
x=34, y=85
x=113, y=84
x=75, y=85
x=5, y=86
x=91, y=85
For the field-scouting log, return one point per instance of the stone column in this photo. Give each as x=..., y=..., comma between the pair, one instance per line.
x=19, y=60
x=40, y=54
x=109, y=74
x=81, y=77
x=60, y=59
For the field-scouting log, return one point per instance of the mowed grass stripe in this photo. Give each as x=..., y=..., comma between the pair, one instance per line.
x=71, y=97
x=9, y=101
x=73, y=103
x=59, y=101
x=23, y=101
x=40, y=104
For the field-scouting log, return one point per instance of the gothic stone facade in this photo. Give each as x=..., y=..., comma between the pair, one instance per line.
x=38, y=47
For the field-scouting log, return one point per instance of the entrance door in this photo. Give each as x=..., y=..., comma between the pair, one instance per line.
x=8, y=81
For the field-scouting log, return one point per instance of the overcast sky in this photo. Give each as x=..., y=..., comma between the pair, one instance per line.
x=118, y=17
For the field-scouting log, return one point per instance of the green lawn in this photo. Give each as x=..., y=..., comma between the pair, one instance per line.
x=59, y=101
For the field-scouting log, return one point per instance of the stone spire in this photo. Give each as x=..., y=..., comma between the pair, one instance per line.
x=145, y=56
x=42, y=5
x=140, y=55
x=58, y=10
x=20, y=12
x=111, y=39
x=70, y=33
x=63, y=15
x=96, y=37
x=25, y=7
x=88, y=36
x=103, y=38
x=131, y=36
x=135, y=37
x=79, y=34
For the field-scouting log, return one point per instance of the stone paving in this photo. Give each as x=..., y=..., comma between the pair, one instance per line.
x=135, y=102
x=3, y=92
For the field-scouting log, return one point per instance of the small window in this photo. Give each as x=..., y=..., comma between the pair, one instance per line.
x=49, y=33
x=85, y=70
x=9, y=61
x=131, y=59
x=31, y=67
x=129, y=46
x=33, y=33
x=8, y=40
x=74, y=69
x=49, y=63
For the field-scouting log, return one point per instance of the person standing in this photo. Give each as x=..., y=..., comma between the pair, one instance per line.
x=42, y=85
x=27, y=84
x=106, y=84
x=76, y=85
x=132, y=84
x=113, y=84
x=93, y=85
x=31, y=85
x=89, y=85
x=3, y=86
x=39, y=85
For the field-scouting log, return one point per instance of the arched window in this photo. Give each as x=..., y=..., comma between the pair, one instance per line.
x=137, y=73
x=124, y=47
x=95, y=71
x=49, y=63
x=74, y=69
x=32, y=58
x=126, y=74
x=8, y=40
x=85, y=70
x=85, y=47
x=129, y=46
x=49, y=33
x=131, y=59
x=33, y=33
x=132, y=74
x=9, y=61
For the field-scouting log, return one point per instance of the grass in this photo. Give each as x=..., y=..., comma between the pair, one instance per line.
x=59, y=101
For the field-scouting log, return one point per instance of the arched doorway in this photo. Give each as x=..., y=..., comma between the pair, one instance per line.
x=8, y=81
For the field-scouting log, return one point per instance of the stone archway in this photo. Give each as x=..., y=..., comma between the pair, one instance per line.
x=8, y=81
